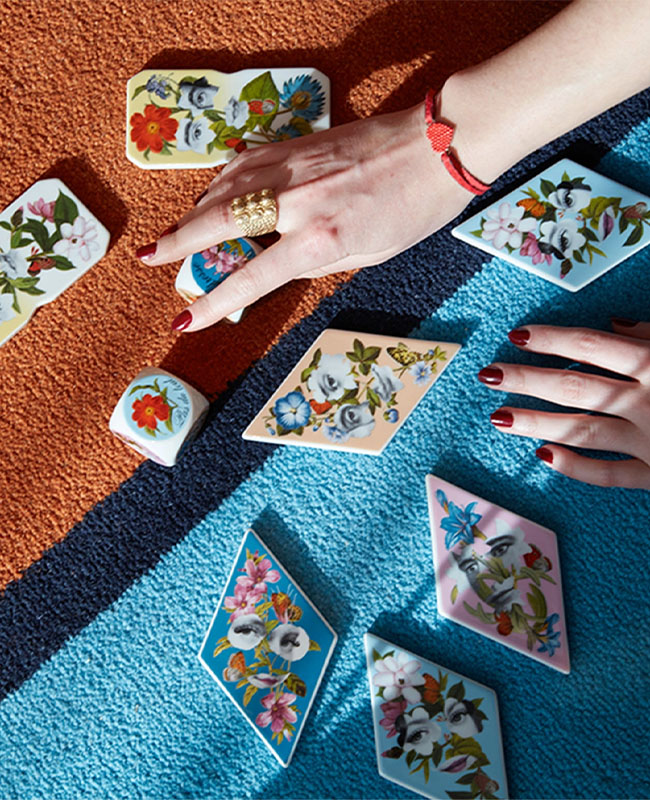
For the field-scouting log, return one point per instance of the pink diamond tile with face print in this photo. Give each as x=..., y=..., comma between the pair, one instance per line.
x=436, y=732
x=498, y=573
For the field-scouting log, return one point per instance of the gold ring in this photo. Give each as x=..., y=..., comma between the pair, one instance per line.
x=255, y=213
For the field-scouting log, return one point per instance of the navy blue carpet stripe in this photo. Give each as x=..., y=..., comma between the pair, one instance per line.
x=126, y=534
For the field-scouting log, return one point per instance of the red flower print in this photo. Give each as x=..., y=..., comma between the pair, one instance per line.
x=238, y=145
x=535, y=560
x=41, y=263
x=320, y=408
x=152, y=129
x=148, y=410
x=505, y=624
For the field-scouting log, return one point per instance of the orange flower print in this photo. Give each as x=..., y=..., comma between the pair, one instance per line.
x=148, y=410
x=152, y=129
x=431, y=690
x=505, y=624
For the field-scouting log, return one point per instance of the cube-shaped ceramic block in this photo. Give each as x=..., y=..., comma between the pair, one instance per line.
x=158, y=415
x=202, y=272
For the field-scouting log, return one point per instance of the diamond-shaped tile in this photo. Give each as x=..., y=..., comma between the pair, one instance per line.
x=351, y=391
x=267, y=647
x=498, y=573
x=436, y=732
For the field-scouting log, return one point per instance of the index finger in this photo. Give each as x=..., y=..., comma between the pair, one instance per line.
x=215, y=224
x=609, y=351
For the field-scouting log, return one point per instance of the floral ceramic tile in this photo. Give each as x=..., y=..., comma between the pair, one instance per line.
x=267, y=647
x=200, y=118
x=568, y=224
x=351, y=391
x=498, y=573
x=48, y=239
x=202, y=272
x=436, y=732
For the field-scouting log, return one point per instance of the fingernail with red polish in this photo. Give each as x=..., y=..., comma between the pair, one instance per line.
x=200, y=197
x=182, y=321
x=624, y=323
x=502, y=419
x=146, y=251
x=520, y=337
x=545, y=454
x=491, y=375
x=172, y=229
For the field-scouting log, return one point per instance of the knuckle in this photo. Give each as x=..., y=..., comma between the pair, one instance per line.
x=324, y=245
x=587, y=343
x=572, y=386
x=216, y=215
x=246, y=282
x=584, y=434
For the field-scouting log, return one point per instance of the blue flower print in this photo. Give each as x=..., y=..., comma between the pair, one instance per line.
x=292, y=411
x=287, y=131
x=158, y=85
x=335, y=434
x=459, y=524
x=421, y=372
x=549, y=641
x=392, y=415
x=441, y=497
x=304, y=96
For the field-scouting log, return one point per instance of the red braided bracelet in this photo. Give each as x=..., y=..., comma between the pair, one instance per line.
x=440, y=135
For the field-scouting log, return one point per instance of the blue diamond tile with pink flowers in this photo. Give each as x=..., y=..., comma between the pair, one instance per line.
x=436, y=732
x=568, y=224
x=268, y=648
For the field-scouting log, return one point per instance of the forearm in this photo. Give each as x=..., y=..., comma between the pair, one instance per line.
x=590, y=56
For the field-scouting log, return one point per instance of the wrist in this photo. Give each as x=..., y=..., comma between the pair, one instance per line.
x=487, y=138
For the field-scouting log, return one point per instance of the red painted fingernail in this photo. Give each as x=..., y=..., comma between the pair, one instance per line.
x=520, y=337
x=502, y=419
x=545, y=454
x=182, y=321
x=624, y=323
x=491, y=375
x=146, y=251
x=172, y=229
x=200, y=197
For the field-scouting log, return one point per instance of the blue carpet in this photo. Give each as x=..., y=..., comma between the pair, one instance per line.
x=124, y=710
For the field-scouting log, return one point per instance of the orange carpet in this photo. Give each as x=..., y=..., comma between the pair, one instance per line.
x=63, y=71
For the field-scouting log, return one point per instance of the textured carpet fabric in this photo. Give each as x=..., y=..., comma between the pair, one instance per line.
x=112, y=570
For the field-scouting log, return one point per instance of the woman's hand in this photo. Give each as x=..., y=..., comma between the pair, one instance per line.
x=349, y=197
x=626, y=352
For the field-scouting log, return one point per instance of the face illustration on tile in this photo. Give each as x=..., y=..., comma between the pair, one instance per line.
x=497, y=573
x=507, y=551
x=351, y=391
x=186, y=119
x=435, y=731
x=267, y=647
x=568, y=225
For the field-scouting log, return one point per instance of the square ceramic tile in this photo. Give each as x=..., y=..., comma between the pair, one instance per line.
x=436, y=732
x=267, y=647
x=184, y=119
x=48, y=239
x=568, y=224
x=498, y=573
x=351, y=391
x=159, y=415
